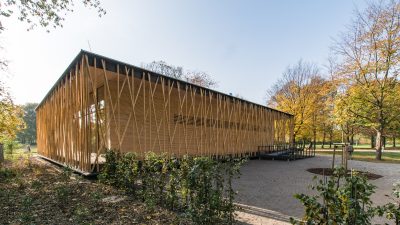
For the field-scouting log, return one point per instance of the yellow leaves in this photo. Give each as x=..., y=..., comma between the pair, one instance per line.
x=10, y=119
x=374, y=105
x=310, y=102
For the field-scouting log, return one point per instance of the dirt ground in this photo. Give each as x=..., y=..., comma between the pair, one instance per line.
x=39, y=193
x=266, y=188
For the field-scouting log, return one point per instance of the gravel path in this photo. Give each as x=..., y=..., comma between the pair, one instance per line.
x=266, y=188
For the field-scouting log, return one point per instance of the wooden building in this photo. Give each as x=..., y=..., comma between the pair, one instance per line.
x=99, y=103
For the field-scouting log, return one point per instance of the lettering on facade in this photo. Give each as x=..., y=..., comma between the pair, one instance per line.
x=210, y=122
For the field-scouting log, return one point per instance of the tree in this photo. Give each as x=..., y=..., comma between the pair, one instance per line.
x=370, y=64
x=301, y=91
x=344, y=118
x=329, y=126
x=46, y=14
x=28, y=135
x=200, y=78
x=10, y=118
x=163, y=68
x=43, y=13
x=195, y=77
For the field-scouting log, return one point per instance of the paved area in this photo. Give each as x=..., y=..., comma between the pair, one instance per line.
x=266, y=188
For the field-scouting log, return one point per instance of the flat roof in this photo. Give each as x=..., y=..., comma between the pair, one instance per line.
x=111, y=65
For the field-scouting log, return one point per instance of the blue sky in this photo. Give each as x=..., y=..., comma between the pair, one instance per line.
x=244, y=45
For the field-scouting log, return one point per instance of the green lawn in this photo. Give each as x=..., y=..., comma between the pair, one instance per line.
x=360, y=146
x=367, y=146
x=387, y=157
x=19, y=153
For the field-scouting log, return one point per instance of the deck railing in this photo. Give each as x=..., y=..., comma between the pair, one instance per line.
x=286, y=151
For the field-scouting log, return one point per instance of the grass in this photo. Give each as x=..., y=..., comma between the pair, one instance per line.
x=360, y=146
x=19, y=153
x=387, y=157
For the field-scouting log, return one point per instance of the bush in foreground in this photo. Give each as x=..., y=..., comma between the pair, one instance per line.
x=345, y=199
x=199, y=187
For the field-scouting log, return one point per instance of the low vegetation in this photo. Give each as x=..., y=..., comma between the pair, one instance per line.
x=18, y=152
x=157, y=190
x=32, y=192
x=198, y=188
x=345, y=198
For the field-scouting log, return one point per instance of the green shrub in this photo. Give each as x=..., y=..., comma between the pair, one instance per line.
x=173, y=185
x=108, y=173
x=206, y=187
x=339, y=203
x=200, y=187
x=127, y=172
x=185, y=166
x=154, y=176
x=232, y=169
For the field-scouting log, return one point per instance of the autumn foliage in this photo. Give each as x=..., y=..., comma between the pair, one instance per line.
x=359, y=92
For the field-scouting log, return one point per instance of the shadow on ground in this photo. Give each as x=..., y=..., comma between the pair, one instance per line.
x=255, y=215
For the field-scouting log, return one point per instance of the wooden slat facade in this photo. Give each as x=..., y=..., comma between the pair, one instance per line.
x=101, y=103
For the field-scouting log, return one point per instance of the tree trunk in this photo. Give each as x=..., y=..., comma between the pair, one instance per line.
x=394, y=141
x=384, y=141
x=378, y=145
x=1, y=153
x=330, y=139
x=294, y=139
x=351, y=136
x=323, y=139
x=315, y=137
